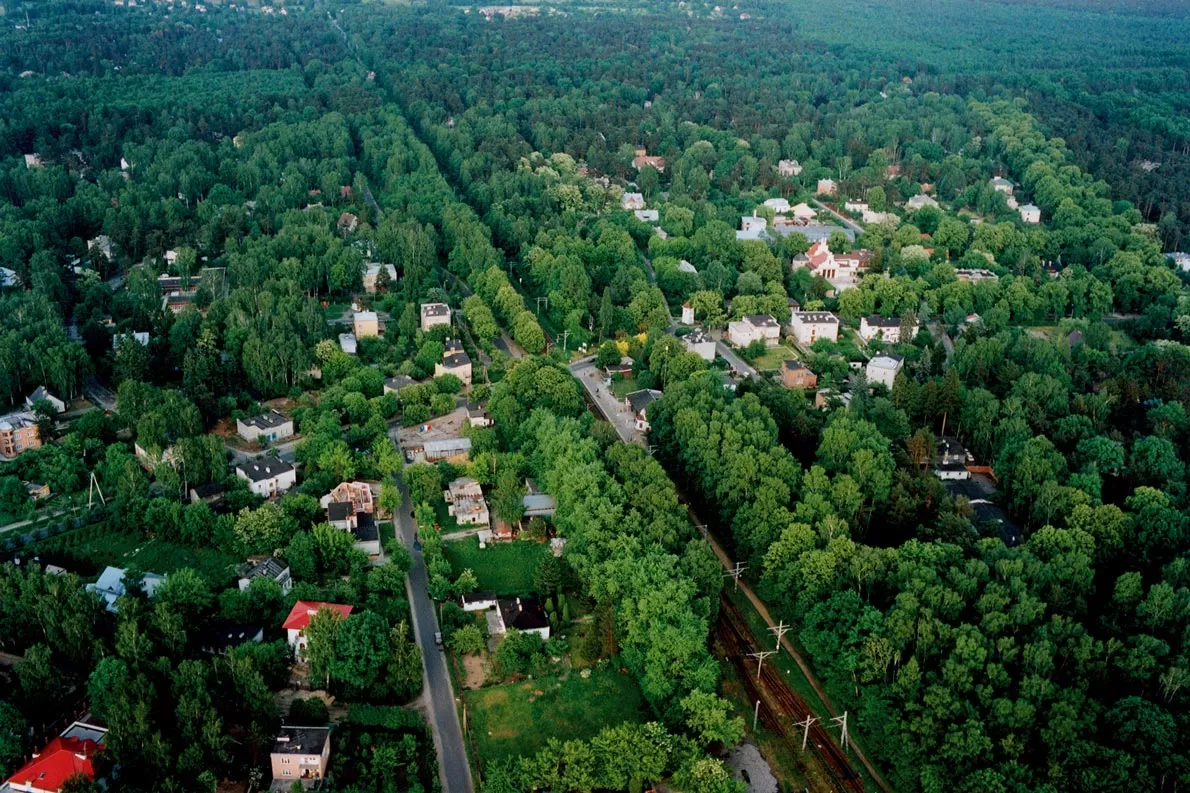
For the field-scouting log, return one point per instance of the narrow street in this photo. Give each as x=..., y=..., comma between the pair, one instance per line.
x=441, y=710
x=736, y=361
x=608, y=407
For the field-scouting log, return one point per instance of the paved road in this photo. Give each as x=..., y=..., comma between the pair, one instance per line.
x=736, y=361
x=284, y=450
x=453, y=768
x=612, y=409
x=846, y=221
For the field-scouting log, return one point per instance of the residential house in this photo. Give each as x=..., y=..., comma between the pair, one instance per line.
x=623, y=368
x=141, y=337
x=268, y=477
x=539, y=505
x=826, y=187
x=9, y=278
x=700, y=343
x=858, y=207
x=455, y=361
x=754, y=327
x=779, y=205
x=788, y=168
x=367, y=534
x=478, y=601
x=643, y=160
x=210, y=493
x=37, y=491
x=522, y=614
x=647, y=215
x=975, y=274
x=1001, y=185
x=919, y=202
x=794, y=374
x=366, y=323
x=477, y=415
x=638, y=403
x=18, y=433
x=40, y=393
x=103, y=244
x=71, y=754
x=224, y=636
x=465, y=502
x=1030, y=214
x=271, y=426
x=348, y=343
x=883, y=369
x=887, y=329
x=33, y=160
x=269, y=567
x=348, y=223
x=110, y=586
x=843, y=270
x=301, y=754
x=1180, y=260
x=372, y=275
x=393, y=385
x=632, y=201
x=358, y=495
x=752, y=223
x=299, y=619
x=951, y=460
x=880, y=217
x=434, y=314
x=808, y=327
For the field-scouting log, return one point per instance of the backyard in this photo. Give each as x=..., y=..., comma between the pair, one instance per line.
x=772, y=358
x=504, y=568
x=518, y=718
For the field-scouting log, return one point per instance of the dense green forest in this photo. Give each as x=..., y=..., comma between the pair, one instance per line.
x=272, y=157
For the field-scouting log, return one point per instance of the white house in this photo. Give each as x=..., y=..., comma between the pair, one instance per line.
x=842, y=270
x=434, y=314
x=701, y=344
x=826, y=187
x=638, y=403
x=974, y=274
x=951, y=460
x=478, y=601
x=1180, y=260
x=33, y=160
x=879, y=217
x=883, y=369
x=372, y=275
x=887, y=329
x=103, y=243
x=40, y=393
x=1030, y=213
x=1001, y=185
x=754, y=327
x=9, y=278
x=466, y=503
x=268, y=477
x=139, y=336
x=858, y=207
x=523, y=614
x=753, y=223
x=687, y=313
x=808, y=327
x=271, y=568
x=789, y=168
x=632, y=201
x=647, y=215
x=272, y=426
x=110, y=586
x=804, y=211
x=299, y=619
x=778, y=205
x=920, y=201
x=348, y=344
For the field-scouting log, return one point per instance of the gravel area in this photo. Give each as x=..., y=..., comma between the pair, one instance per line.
x=752, y=768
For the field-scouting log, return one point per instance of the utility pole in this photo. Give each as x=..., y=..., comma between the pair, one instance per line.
x=760, y=656
x=547, y=304
x=756, y=716
x=779, y=630
x=806, y=725
x=91, y=492
x=736, y=572
x=565, y=337
x=842, y=722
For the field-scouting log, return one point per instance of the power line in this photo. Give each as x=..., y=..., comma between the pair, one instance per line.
x=779, y=630
x=842, y=722
x=760, y=656
x=736, y=572
x=806, y=725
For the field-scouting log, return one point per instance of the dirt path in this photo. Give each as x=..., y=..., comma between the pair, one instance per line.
x=762, y=609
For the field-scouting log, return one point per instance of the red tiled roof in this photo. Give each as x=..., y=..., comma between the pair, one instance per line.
x=303, y=610
x=819, y=254
x=61, y=759
x=641, y=162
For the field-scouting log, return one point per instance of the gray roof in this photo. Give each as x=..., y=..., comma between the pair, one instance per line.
x=434, y=309
x=639, y=400
x=878, y=321
x=260, y=470
x=266, y=421
x=270, y=568
x=447, y=444
x=762, y=321
x=301, y=740
x=339, y=510
x=817, y=316
x=697, y=336
x=456, y=360
x=793, y=365
x=399, y=382
x=365, y=529
x=539, y=502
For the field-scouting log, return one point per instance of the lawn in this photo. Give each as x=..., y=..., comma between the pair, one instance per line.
x=772, y=358
x=159, y=556
x=504, y=568
x=622, y=386
x=446, y=521
x=518, y=719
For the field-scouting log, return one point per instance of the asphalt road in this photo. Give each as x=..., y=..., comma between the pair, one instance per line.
x=612, y=409
x=736, y=361
x=439, y=694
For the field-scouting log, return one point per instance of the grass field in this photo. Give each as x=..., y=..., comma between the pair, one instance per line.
x=518, y=719
x=622, y=386
x=773, y=357
x=504, y=568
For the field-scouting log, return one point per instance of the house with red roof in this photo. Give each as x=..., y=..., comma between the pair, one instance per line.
x=67, y=756
x=299, y=619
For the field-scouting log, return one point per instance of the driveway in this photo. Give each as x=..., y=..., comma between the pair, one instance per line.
x=846, y=221
x=605, y=401
x=453, y=767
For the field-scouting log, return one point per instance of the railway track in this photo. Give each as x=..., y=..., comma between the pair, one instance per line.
x=780, y=707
